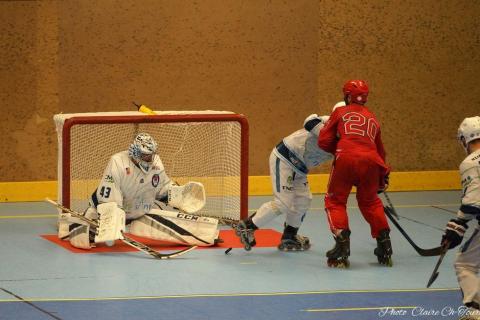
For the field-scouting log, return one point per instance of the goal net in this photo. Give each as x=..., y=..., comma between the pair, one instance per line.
x=210, y=147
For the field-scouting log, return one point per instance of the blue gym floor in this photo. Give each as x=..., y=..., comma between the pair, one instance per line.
x=41, y=280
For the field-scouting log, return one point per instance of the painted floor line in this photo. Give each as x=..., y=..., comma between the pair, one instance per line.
x=361, y=309
x=220, y=295
x=30, y=216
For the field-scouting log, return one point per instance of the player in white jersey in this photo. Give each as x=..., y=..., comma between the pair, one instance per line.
x=290, y=162
x=467, y=262
x=136, y=187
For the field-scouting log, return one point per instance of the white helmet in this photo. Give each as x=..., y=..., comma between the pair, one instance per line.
x=469, y=130
x=142, y=150
x=338, y=104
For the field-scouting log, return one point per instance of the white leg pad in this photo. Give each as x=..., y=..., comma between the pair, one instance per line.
x=111, y=222
x=176, y=227
x=62, y=224
x=79, y=237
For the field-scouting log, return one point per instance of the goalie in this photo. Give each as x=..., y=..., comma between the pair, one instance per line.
x=135, y=191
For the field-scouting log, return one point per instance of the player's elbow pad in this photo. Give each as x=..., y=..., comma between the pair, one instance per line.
x=311, y=122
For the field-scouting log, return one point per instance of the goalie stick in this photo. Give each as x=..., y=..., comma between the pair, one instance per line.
x=129, y=241
x=423, y=252
x=231, y=223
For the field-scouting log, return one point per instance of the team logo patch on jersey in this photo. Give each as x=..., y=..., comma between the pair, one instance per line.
x=466, y=182
x=109, y=178
x=155, y=180
x=290, y=180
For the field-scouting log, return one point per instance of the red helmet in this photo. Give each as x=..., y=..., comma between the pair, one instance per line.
x=357, y=90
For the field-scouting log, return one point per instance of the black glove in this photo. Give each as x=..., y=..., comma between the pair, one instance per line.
x=454, y=232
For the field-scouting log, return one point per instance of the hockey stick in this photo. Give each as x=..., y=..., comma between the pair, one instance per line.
x=129, y=241
x=440, y=208
x=394, y=212
x=423, y=252
x=435, y=272
x=231, y=223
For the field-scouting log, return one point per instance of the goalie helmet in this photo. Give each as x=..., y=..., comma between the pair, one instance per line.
x=357, y=90
x=143, y=150
x=468, y=131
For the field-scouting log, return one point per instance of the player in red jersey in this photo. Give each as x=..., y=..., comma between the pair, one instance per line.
x=352, y=134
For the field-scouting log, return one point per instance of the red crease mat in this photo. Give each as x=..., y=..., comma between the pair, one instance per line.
x=266, y=238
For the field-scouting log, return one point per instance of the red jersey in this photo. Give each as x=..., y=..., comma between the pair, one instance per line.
x=353, y=129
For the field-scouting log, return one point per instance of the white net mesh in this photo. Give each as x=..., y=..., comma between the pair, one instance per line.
x=207, y=152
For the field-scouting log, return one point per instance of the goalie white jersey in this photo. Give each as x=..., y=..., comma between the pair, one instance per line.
x=133, y=190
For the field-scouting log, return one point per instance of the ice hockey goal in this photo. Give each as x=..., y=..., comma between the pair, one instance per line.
x=206, y=146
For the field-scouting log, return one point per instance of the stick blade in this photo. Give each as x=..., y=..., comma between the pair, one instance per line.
x=432, y=279
x=433, y=252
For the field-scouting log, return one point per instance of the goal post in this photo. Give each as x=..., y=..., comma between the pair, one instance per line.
x=210, y=147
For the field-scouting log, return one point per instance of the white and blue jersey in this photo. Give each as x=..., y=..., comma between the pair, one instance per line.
x=133, y=190
x=470, y=173
x=467, y=262
x=300, y=149
x=289, y=164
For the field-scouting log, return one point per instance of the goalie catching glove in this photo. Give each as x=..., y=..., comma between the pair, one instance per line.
x=189, y=197
x=454, y=232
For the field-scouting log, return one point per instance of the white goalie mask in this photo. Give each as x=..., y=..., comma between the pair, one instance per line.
x=469, y=130
x=143, y=150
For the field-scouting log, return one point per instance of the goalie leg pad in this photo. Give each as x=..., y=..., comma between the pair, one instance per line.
x=80, y=236
x=65, y=220
x=111, y=222
x=176, y=227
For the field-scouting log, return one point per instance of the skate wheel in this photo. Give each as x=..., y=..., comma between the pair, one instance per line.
x=340, y=264
x=389, y=262
x=386, y=261
x=284, y=248
x=344, y=264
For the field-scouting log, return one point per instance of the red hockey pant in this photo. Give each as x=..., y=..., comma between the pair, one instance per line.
x=363, y=172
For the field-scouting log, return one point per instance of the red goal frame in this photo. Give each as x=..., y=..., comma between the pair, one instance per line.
x=112, y=119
